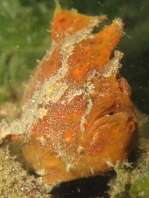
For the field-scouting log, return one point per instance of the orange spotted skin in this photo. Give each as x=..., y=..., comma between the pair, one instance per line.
x=77, y=108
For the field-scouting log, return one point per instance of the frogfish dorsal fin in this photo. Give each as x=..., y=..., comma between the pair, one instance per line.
x=66, y=22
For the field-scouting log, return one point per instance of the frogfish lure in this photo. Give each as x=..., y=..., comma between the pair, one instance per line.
x=77, y=117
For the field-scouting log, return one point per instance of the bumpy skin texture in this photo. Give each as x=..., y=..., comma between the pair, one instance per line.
x=77, y=115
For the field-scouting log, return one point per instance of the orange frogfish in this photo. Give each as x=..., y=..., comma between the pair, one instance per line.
x=77, y=116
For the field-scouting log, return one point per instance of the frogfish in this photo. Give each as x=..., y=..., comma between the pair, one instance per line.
x=77, y=116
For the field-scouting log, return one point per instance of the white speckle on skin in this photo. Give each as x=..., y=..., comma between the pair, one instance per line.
x=79, y=149
x=110, y=163
x=42, y=140
x=41, y=112
x=91, y=169
x=41, y=172
x=68, y=166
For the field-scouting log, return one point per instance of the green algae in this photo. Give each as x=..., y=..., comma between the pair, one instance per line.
x=20, y=30
x=141, y=187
